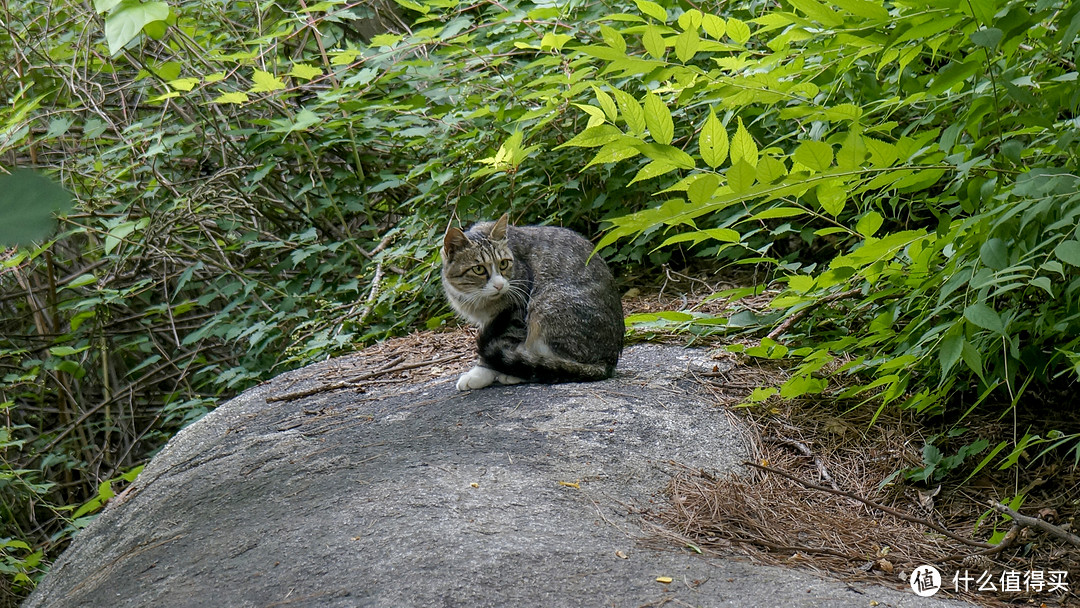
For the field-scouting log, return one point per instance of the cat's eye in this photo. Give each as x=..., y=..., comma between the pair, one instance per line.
x=479, y=269
x=504, y=264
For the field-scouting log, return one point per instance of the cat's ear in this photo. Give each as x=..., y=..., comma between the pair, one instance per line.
x=498, y=231
x=454, y=240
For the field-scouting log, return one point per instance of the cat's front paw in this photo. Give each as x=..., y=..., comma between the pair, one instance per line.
x=506, y=379
x=477, y=377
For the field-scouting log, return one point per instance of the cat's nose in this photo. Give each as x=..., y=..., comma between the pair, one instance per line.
x=498, y=283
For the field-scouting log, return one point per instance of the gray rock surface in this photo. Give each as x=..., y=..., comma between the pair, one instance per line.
x=419, y=495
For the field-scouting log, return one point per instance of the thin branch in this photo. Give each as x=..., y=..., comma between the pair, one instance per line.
x=1035, y=522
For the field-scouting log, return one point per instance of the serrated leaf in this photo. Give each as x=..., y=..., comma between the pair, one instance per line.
x=670, y=154
x=714, y=26
x=987, y=38
x=606, y=103
x=949, y=352
x=869, y=224
x=594, y=137
x=653, y=169
x=613, y=153
x=613, y=38
x=738, y=30
x=128, y=18
x=983, y=316
x=743, y=146
x=652, y=9
x=631, y=111
x=658, y=119
x=741, y=176
x=183, y=84
x=770, y=170
x=852, y=152
x=305, y=71
x=234, y=97
x=832, y=194
x=385, y=40
x=713, y=141
x=686, y=45
x=265, y=82
x=702, y=189
x=815, y=155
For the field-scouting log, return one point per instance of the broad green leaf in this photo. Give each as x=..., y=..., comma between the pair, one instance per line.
x=852, y=153
x=815, y=155
x=653, y=169
x=613, y=38
x=738, y=31
x=265, y=82
x=613, y=153
x=770, y=170
x=183, y=84
x=385, y=40
x=658, y=119
x=28, y=204
x=594, y=137
x=743, y=146
x=869, y=224
x=652, y=9
x=778, y=212
x=103, y=6
x=741, y=176
x=862, y=8
x=983, y=316
x=653, y=41
x=631, y=112
x=714, y=26
x=832, y=194
x=818, y=12
x=994, y=253
x=665, y=153
x=690, y=20
x=987, y=38
x=1068, y=252
x=983, y=10
x=702, y=189
x=128, y=18
x=724, y=235
x=686, y=45
x=713, y=141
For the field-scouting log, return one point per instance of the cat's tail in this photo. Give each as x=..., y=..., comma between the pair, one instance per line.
x=546, y=367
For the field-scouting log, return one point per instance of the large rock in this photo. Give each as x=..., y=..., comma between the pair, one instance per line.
x=419, y=495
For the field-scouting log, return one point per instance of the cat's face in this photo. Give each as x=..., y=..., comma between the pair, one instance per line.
x=477, y=269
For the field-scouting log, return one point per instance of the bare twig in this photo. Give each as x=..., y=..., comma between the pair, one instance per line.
x=806, y=452
x=1035, y=522
x=802, y=312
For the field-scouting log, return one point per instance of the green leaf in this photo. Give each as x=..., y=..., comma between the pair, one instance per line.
x=770, y=170
x=738, y=31
x=994, y=253
x=714, y=26
x=658, y=119
x=983, y=316
x=669, y=154
x=949, y=352
x=741, y=176
x=653, y=169
x=863, y=8
x=987, y=38
x=606, y=103
x=594, y=136
x=832, y=194
x=743, y=146
x=631, y=112
x=128, y=18
x=236, y=97
x=686, y=45
x=653, y=41
x=1068, y=252
x=983, y=10
x=305, y=71
x=852, y=152
x=613, y=153
x=265, y=82
x=28, y=204
x=815, y=155
x=869, y=223
x=701, y=190
x=652, y=9
x=103, y=6
x=713, y=141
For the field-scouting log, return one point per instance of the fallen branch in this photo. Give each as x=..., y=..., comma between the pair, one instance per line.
x=875, y=505
x=354, y=381
x=1035, y=522
x=802, y=312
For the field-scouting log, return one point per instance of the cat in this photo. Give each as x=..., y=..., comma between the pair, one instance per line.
x=546, y=311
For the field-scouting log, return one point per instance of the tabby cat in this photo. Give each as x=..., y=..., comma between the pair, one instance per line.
x=546, y=312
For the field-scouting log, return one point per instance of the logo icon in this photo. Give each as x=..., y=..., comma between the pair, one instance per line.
x=925, y=581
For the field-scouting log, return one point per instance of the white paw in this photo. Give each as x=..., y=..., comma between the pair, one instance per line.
x=505, y=379
x=477, y=377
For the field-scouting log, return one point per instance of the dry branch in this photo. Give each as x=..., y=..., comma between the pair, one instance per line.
x=1035, y=522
